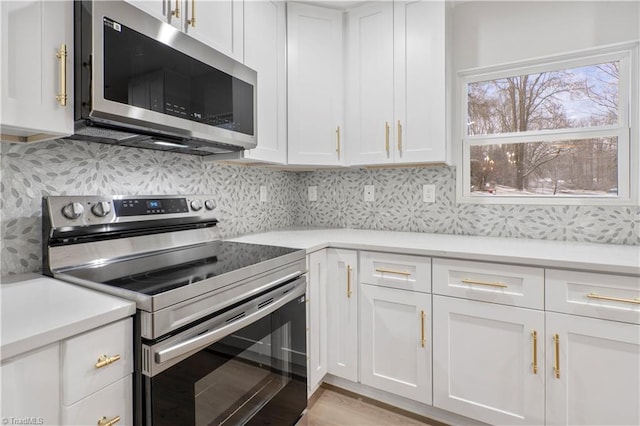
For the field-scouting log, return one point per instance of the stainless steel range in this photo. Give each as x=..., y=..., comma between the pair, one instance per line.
x=220, y=326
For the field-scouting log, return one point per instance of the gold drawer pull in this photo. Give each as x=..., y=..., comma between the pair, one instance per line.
x=391, y=271
x=175, y=12
x=423, y=341
x=106, y=422
x=338, y=141
x=386, y=136
x=495, y=284
x=614, y=299
x=399, y=136
x=556, y=367
x=192, y=21
x=105, y=360
x=534, y=364
x=349, y=292
x=62, y=56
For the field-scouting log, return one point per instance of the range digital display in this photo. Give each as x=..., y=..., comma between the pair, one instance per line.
x=143, y=207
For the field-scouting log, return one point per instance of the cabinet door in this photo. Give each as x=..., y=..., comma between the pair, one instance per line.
x=111, y=402
x=483, y=361
x=32, y=74
x=315, y=74
x=420, y=86
x=370, y=128
x=31, y=386
x=218, y=24
x=599, y=366
x=264, y=51
x=400, y=320
x=164, y=10
x=317, y=311
x=342, y=313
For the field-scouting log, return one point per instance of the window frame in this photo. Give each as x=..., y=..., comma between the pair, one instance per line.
x=626, y=130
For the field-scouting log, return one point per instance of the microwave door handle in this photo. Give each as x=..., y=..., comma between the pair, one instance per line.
x=213, y=336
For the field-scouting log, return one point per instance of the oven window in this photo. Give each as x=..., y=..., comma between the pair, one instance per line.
x=256, y=375
x=143, y=72
x=250, y=379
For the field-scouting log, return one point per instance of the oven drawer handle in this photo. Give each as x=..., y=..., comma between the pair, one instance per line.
x=213, y=336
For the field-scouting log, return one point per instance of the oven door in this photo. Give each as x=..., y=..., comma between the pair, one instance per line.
x=247, y=365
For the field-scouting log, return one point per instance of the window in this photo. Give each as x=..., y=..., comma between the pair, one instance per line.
x=550, y=132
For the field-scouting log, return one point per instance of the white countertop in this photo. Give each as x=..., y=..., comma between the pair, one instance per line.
x=36, y=311
x=554, y=254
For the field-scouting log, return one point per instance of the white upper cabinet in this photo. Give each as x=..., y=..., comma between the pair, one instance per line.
x=265, y=51
x=218, y=24
x=315, y=89
x=420, y=83
x=370, y=84
x=37, y=80
x=396, y=83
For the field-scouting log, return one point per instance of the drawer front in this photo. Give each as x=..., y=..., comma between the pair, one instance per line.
x=613, y=297
x=400, y=271
x=82, y=371
x=116, y=400
x=489, y=282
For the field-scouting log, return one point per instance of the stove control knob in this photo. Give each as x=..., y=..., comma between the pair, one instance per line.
x=210, y=204
x=72, y=210
x=196, y=205
x=101, y=208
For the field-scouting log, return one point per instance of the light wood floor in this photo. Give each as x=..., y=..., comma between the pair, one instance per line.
x=338, y=408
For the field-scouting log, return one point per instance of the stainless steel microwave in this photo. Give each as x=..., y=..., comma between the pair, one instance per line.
x=141, y=82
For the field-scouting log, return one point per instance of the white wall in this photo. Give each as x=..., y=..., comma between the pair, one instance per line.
x=489, y=33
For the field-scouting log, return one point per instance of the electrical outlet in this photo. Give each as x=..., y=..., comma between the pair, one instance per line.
x=313, y=193
x=369, y=193
x=263, y=193
x=429, y=193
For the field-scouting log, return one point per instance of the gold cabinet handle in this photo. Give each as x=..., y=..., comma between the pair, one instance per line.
x=338, y=141
x=556, y=367
x=399, y=136
x=62, y=57
x=490, y=284
x=106, y=422
x=423, y=341
x=391, y=271
x=614, y=299
x=176, y=11
x=349, y=281
x=105, y=360
x=192, y=21
x=386, y=136
x=534, y=364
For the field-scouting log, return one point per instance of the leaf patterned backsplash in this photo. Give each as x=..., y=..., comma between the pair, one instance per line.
x=64, y=167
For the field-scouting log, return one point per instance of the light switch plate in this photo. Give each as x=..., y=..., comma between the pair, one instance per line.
x=263, y=193
x=369, y=193
x=313, y=193
x=429, y=193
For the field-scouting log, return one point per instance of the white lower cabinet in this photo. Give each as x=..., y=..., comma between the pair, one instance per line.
x=395, y=341
x=317, y=314
x=83, y=380
x=31, y=386
x=487, y=364
x=593, y=371
x=342, y=313
x=112, y=404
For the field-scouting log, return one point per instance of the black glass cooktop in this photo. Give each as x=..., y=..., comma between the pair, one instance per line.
x=168, y=270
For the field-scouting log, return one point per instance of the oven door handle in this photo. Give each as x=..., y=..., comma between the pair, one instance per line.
x=206, y=339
